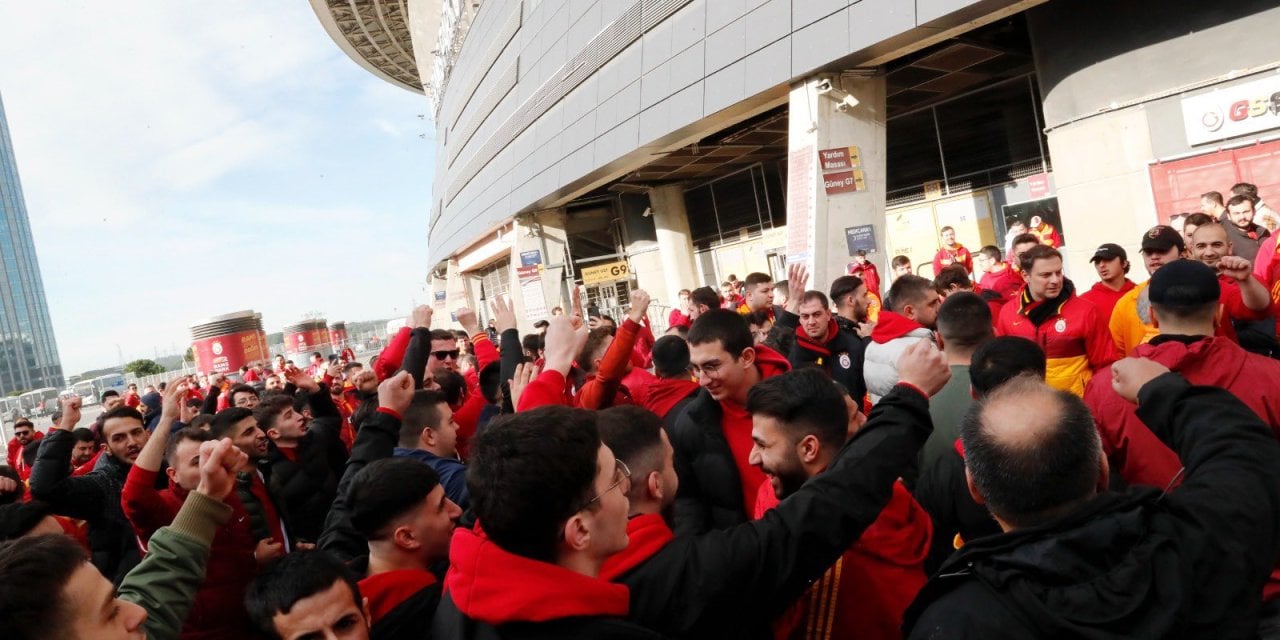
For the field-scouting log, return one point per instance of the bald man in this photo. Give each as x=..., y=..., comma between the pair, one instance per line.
x=1091, y=563
x=1243, y=298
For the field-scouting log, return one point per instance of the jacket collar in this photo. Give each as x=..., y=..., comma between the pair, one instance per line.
x=648, y=534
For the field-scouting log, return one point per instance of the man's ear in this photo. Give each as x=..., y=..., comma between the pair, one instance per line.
x=748, y=357
x=403, y=537
x=808, y=448
x=1104, y=472
x=428, y=437
x=364, y=609
x=273, y=433
x=171, y=472
x=653, y=485
x=576, y=533
x=973, y=488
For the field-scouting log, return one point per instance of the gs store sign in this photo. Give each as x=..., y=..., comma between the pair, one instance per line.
x=1234, y=111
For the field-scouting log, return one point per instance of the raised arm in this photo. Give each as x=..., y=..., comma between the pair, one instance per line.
x=599, y=393
x=419, y=347
x=51, y=480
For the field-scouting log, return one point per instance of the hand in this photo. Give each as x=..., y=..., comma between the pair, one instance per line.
x=563, y=344
x=421, y=318
x=396, y=392
x=504, y=314
x=267, y=550
x=304, y=546
x=1129, y=375
x=174, y=400
x=188, y=413
x=219, y=460
x=924, y=366
x=467, y=318
x=70, y=412
x=639, y=305
x=1235, y=267
x=525, y=373
x=865, y=329
x=366, y=381
x=301, y=380
x=334, y=371
x=797, y=284
x=8, y=485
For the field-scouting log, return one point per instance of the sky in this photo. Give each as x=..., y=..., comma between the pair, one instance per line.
x=182, y=160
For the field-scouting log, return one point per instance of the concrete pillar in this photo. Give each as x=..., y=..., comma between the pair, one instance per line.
x=544, y=234
x=816, y=221
x=457, y=294
x=675, y=245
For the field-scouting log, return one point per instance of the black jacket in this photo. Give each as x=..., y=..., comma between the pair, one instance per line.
x=943, y=492
x=1187, y=564
x=450, y=624
x=710, y=495
x=376, y=441
x=732, y=583
x=303, y=490
x=93, y=497
x=411, y=619
x=844, y=365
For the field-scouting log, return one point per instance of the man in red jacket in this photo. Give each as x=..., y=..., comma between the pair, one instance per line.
x=800, y=421
x=951, y=252
x=608, y=358
x=994, y=274
x=673, y=389
x=24, y=433
x=1112, y=265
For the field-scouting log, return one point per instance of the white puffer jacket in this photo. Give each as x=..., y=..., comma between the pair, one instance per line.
x=880, y=368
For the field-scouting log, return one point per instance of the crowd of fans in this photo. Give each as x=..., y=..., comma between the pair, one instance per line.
x=987, y=454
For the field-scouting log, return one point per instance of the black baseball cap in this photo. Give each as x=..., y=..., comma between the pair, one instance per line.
x=1184, y=283
x=1162, y=238
x=1109, y=251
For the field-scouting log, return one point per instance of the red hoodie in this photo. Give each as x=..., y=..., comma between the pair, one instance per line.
x=1007, y=281
x=864, y=594
x=735, y=423
x=665, y=393
x=1105, y=298
x=494, y=586
x=647, y=534
x=387, y=590
x=602, y=389
x=1142, y=458
x=893, y=326
x=16, y=461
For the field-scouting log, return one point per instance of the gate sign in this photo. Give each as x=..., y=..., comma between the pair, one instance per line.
x=860, y=238
x=611, y=272
x=1233, y=111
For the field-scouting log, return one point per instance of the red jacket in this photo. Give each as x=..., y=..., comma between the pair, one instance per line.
x=468, y=415
x=549, y=388
x=666, y=393
x=493, y=586
x=1136, y=453
x=16, y=461
x=390, y=358
x=647, y=534
x=1074, y=338
x=864, y=594
x=600, y=391
x=1007, y=281
x=218, y=611
x=947, y=257
x=869, y=274
x=387, y=590
x=677, y=318
x=1105, y=298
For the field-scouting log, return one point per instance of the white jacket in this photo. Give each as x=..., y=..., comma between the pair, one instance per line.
x=880, y=366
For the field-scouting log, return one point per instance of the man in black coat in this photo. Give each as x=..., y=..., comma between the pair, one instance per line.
x=1079, y=562
x=822, y=342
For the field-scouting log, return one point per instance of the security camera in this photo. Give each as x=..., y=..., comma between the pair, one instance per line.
x=824, y=87
x=844, y=101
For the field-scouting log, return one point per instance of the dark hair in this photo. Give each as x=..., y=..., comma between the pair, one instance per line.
x=185, y=435
x=83, y=435
x=384, y=490
x=459, y=334
x=724, y=326
x=239, y=388
x=490, y=378
x=423, y=413
x=908, y=289
x=294, y=577
x=270, y=408
x=705, y=295
x=1198, y=220
x=805, y=402
x=23, y=422
x=671, y=357
x=12, y=474
x=35, y=571
x=533, y=343
x=898, y=261
x=635, y=436
x=964, y=320
x=529, y=473
x=1039, y=252
x=755, y=278
x=444, y=334
x=757, y=318
x=993, y=252
x=109, y=393
x=1024, y=238
x=18, y=519
x=952, y=275
x=998, y=360
x=1239, y=200
x=1246, y=189
x=843, y=286
x=226, y=420
x=350, y=366
x=541, y=323
x=946, y=229
x=453, y=385
x=201, y=421
x=119, y=412
x=164, y=385
x=1212, y=196
x=811, y=295
x=595, y=339
x=1029, y=481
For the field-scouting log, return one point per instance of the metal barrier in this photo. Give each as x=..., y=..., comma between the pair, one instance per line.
x=658, y=315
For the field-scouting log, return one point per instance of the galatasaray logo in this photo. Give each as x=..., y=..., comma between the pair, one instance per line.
x=217, y=348
x=1212, y=120
x=845, y=362
x=1061, y=325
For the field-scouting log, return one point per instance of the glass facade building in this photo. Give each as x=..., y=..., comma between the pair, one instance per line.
x=28, y=354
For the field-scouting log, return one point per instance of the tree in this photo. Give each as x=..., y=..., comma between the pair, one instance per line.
x=143, y=367
x=190, y=355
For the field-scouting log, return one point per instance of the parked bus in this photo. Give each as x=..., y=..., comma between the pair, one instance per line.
x=87, y=392
x=9, y=410
x=109, y=381
x=39, y=403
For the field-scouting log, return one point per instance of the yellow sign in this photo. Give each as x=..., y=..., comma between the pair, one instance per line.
x=611, y=272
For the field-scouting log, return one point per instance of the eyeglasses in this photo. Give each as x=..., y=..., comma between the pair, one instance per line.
x=445, y=355
x=621, y=473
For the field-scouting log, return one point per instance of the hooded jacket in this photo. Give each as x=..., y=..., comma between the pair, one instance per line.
x=1136, y=565
x=1073, y=336
x=891, y=336
x=1007, y=281
x=493, y=593
x=712, y=441
x=1136, y=453
x=841, y=355
x=1105, y=298
x=401, y=603
x=667, y=394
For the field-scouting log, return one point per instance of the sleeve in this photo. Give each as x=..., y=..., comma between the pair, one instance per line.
x=468, y=417
x=389, y=360
x=511, y=354
x=1098, y=343
x=550, y=387
x=51, y=480
x=210, y=403
x=643, y=354
x=415, y=355
x=783, y=334
x=1262, y=264
x=486, y=353
x=376, y=440
x=1117, y=328
x=1233, y=304
x=599, y=392
x=145, y=509
x=166, y=581
x=689, y=513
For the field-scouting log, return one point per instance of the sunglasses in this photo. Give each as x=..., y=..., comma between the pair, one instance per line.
x=445, y=355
